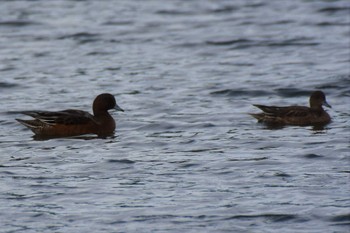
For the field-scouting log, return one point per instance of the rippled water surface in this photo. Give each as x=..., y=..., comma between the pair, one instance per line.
x=186, y=157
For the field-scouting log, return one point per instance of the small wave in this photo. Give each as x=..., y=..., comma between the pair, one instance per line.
x=225, y=9
x=328, y=24
x=174, y=12
x=342, y=218
x=82, y=37
x=268, y=217
x=333, y=9
x=247, y=43
x=312, y=156
x=340, y=83
x=7, y=85
x=124, y=161
x=292, y=92
x=119, y=23
x=229, y=42
x=239, y=92
x=17, y=23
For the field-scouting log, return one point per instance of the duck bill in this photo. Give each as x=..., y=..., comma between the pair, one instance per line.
x=118, y=108
x=327, y=104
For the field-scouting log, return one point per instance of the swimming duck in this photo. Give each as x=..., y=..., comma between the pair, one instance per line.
x=296, y=115
x=73, y=122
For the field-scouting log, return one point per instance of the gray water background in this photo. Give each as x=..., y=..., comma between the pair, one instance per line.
x=186, y=157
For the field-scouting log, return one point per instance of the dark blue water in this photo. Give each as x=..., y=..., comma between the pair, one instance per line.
x=186, y=157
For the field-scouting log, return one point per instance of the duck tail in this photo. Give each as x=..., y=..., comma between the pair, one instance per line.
x=258, y=116
x=31, y=124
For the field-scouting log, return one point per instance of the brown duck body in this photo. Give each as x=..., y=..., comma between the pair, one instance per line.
x=74, y=122
x=296, y=115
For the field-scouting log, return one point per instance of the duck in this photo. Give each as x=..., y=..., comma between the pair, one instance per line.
x=72, y=122
x=296, y=115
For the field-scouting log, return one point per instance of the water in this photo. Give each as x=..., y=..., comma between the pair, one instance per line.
x=186, y=157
